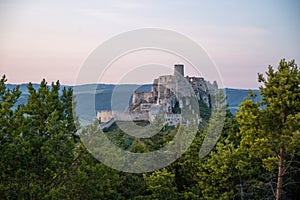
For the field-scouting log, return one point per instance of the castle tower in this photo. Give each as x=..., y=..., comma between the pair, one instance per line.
x=179, y=83
x=179, y=69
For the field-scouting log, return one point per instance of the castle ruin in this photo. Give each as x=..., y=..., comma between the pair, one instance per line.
x=163, y=89
x=165, y=95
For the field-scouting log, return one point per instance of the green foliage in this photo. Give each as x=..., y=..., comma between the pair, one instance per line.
x=205, y=111
x=161, y=185
x=269, y=129
x=43, y=158
x=90, y=179
x=127, y=142
x=37, y=141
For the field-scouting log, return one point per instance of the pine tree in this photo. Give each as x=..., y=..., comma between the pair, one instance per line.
x=37, y=141
x=270, y=128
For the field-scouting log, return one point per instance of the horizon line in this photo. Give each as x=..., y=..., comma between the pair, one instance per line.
x=141, y=84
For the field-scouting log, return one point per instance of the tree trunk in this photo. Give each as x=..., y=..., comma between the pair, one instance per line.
x=280, y=173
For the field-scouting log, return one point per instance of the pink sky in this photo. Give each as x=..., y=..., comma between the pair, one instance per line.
x=51, y=39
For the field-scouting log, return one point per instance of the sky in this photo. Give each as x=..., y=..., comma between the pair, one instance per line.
x=52, y=39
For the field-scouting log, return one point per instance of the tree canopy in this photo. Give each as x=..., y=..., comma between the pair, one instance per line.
x=256, y=157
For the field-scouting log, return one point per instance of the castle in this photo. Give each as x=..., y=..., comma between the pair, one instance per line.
x=164, y=86
x=164, y=96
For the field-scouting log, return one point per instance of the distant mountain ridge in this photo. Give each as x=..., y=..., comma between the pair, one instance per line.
x=103, y=94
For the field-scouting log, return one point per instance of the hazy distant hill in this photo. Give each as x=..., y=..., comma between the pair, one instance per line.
x=236, y=96
x=103, y=94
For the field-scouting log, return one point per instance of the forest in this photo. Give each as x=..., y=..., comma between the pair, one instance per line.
x=256, y=157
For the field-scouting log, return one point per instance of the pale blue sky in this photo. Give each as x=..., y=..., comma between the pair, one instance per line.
x=51, y=39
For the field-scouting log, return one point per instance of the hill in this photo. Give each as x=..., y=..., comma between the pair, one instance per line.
x=104, y=92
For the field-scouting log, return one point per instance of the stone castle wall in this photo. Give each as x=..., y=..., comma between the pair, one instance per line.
x=138, y=97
